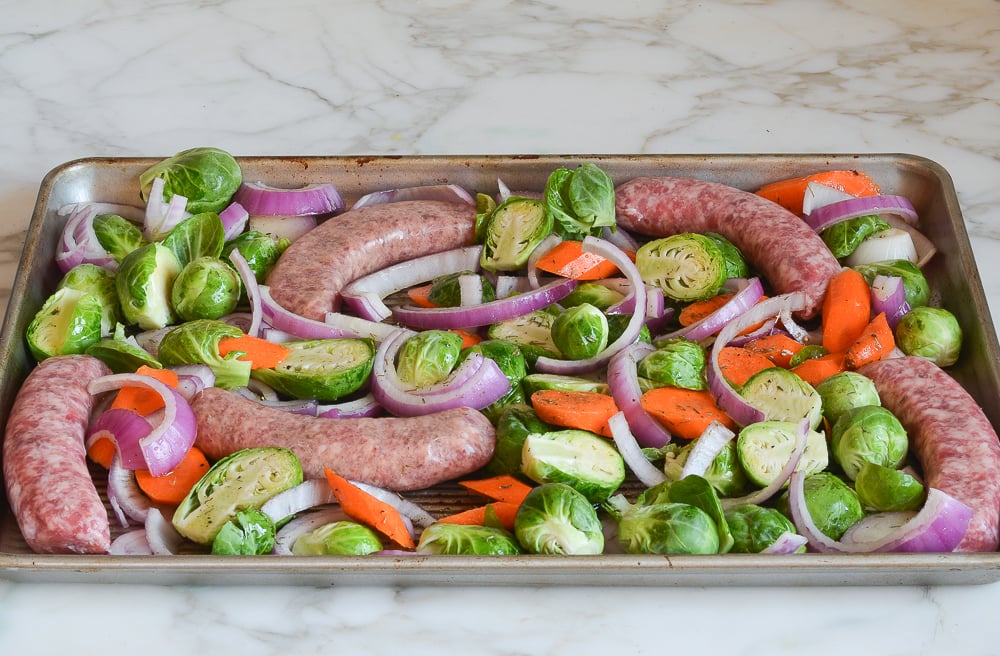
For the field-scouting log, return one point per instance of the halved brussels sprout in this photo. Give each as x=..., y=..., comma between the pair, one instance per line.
x=206, y=288
x=343, y=538
x=595, y=293
x=667, y=528
x=765, y=447
x=581, y=200
x=100, y=282
x=736, y=265
x=144, y=281
x=580, y=332
x=511, y=362
x=886, y=489
x=687, y=266
x=428, y=357
x=869, y=433
x=725, y=473
x=484, y=209
x=117, y=235
x=516, y=422
x=201, y=235
x=197, y=342
x=915, y=285
x=932, y=333
x=241, y=480
x=843, y=238
x=207, y=177
x=259, y=249
x=832, y=504
x=534, y=382
x=676, y=363
x=588, y=463
x=249, y=533
x=122, y=353
x=460, y=539
x=321, y=369
x=845, y=391
x=782, y=395
x=532, y=333
x=515, y=228
x=755, y=528
x=68, y=322
x=556, y=519
x=446, y=291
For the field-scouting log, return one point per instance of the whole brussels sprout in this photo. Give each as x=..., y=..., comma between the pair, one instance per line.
x=144, y=282
x=832, y=504
x=343, y=538
x=460, y=539
x=68, y=322
x=581, y=200
x=447, y=292
x=207, y=177
x=755, y=528
x=676, y=362
x=870, y=433
x=201, y=235
x=206, y=288
x=513, y=230
x=580, y=332
x=512, y=363
x=931, y=333
x=531, y=332
x=667, y=528
x=845, y=391
x=594, y=293
x=259, y=249
x=117, y=235
x=428, y=357
x=888, y=490
x=249, y=533
x=686, y=266
x=556, y=519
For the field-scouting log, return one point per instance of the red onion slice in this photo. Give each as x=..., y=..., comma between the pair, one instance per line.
x=889, y=296
x=366, y=406
x=293, y=530
x=163, y=538
x=252, y=288
x=819, y=195
x=234, y=220
x=161, y=217
x=544, y=246
x=823, y=217
x=451, y=193
x=623, y=382
x=126, y=428
x=307, y=494
x=765, y=493
x=283, y=227
x=124, y=495
x=787, y=543
x=632, y=453
x=260, y=199
x=78, y=243
x=132, y=543
x=751, y=292
x=925, y=247
x=294, y=324
x=708, y=445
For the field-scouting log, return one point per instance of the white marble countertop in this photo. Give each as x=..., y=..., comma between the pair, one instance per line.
x=91, y=78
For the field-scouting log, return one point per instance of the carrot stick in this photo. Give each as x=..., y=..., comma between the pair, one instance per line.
x=261, y=353
x=142, y=399
x=790, y=192
x=369, y=510
x=739, y=364
x=778, y=348
x=421, y=296
x=876, y=342
x=504, y=511
x=589, y=411
x=101, y=451
x=499, y=488
x=815, y=370
x=569, y=260
x=846, y=310
x=685, y=413
x=171, y=488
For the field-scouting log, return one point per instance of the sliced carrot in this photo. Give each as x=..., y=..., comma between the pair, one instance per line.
x=738, y=364
x=876, y=342
x=499, y=488
x=846, y=310
x=685, y=413
x=815, y=370
x=171, y=488
x=694, y=312
x=568, y=260
x=589, y=411
x=504, y=511
x=778, y=348
x=367, y=509
x=421, y=296
x=261, y=353
x=468, y=338
x=790, y=192
x=142, y=399
x=101, y=451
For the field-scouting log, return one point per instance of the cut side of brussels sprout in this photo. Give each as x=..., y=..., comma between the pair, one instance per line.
x=588, y=463
x=687, y=267
x=514, y=229
x=782, y=395
x=68, y=322
x=534, y=382
x=532, y=333
x=144, y=282
x=100, y=282
x=321, y=369
x=765, y=447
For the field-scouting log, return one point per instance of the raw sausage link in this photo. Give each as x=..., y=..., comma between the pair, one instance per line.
x=45, y=460
x=780, y=245
x=954, y=441
x=395, y=453
x=310, y=274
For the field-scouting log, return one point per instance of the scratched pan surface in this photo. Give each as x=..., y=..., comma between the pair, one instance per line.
x=953, y=275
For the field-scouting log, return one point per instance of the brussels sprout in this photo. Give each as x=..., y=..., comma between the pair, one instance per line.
x=122, y=354
x=512, y=363
x=593, y=293
x=249, y=533
x=117, y=235
x=532, y=333
x=782, y=395
x=676, y=363
x=446, y=291
x=696, y=491
x=686, y=266
x=144, y=280
x=832, y=504
x=765, y=447
x=515, y=228
x=460, y=539
x=197, y=342
x=580, y=332
x=667, y=528
x=68, y=322
x=915, y=286
x=201, y=235
x=428, y=357
x=321, y=369
x=484, y=209
x=931, y=333
x=582, y=460
x=869, y=433
x=617, y=324
x=581, y=200
x=100, y=282
x=725, y=473
x=556, y=519
x=888, y=490
x=259, y=249
x=207, y=177
x=844, y=237
x=206, y=288
x=845, y=391
x=755, y=528
x=736, y=265
x=516, y=422
x=534, y=382
x=241, y=480
x=343, y=538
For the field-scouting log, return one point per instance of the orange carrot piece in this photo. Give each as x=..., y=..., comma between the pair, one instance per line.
x=568, y=260
x=790, y=192
x=846, y=310
x=171, y=488
x=499, y=488
x=589, y=411
x=698, y=310
x=261, y=353
x=101, y=451
x=369, y=510
x=421, y=296
x=778, y=348
x=875, y=343
x=468, y=338
x=815, y=370
x=685, y=413
x=505, y=512
x=142, y=399
x=739, y=364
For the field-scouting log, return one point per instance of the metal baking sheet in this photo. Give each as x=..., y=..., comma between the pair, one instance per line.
x=952, y=273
